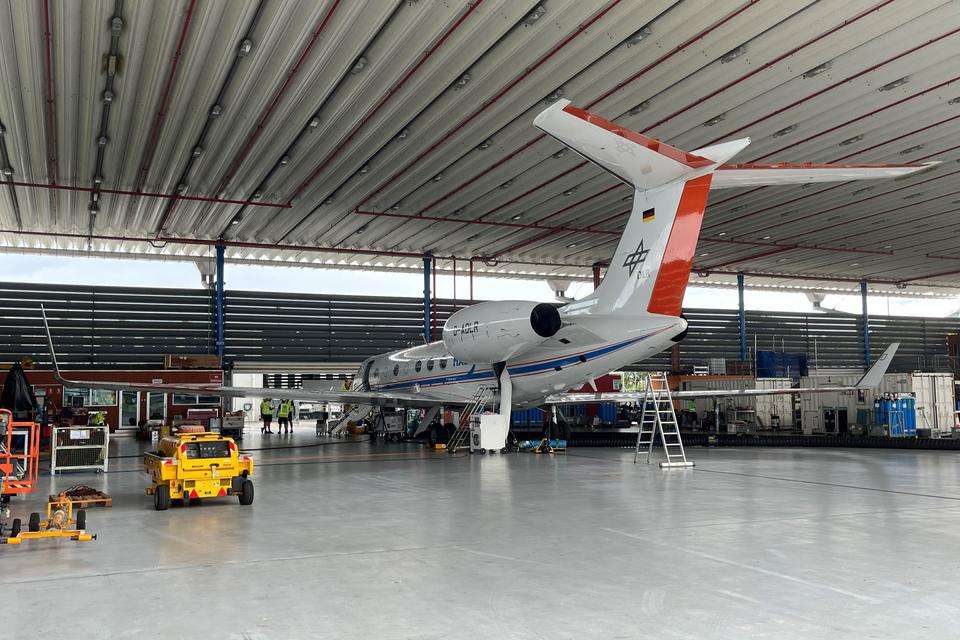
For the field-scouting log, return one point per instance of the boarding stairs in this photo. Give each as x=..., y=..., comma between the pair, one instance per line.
x=658, y=420
x=461, y=436
x=355, y=415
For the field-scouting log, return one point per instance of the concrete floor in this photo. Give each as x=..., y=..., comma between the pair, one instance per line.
x=353, y=541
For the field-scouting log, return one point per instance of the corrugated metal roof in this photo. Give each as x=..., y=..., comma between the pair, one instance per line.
x=367, y=133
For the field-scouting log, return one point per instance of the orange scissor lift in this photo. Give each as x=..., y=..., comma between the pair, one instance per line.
x=19, y=468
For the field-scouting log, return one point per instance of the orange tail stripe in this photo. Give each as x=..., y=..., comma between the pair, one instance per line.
x=668, y=290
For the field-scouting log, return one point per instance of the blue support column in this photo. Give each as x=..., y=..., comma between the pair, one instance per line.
x=866, y=324
x=742, y=319
x=219, y=300
x=427, y=259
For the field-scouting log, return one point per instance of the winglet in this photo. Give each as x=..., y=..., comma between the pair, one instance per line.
x=874, y=376
x=53, y=354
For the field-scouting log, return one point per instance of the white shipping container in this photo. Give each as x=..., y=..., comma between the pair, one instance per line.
x=778, y=405
x=935, y=397
x=726, y=384
x=813, y=404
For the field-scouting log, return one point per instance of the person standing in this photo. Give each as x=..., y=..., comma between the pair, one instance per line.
x=283, y=416
x=266, y=414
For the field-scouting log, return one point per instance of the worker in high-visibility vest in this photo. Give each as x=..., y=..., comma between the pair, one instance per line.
x=266, y=414
x=283, y=415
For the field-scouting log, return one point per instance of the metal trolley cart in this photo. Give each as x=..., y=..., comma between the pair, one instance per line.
x=79, y=448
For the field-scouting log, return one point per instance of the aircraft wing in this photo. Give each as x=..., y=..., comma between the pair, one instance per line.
x=372, y=398
x=752, y=175
x=870, y=380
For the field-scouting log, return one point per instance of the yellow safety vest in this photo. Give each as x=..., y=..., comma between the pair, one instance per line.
x=284, y=409
x=265, y=409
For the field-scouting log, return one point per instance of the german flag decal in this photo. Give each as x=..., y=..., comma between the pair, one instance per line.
x=648, y=215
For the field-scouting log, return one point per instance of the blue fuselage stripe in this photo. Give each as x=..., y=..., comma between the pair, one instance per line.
x=519, y=370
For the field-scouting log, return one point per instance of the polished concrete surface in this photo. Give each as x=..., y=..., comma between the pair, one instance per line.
x=352, y=541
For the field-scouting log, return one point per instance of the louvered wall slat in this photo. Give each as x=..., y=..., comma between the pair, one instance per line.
x=134, y=327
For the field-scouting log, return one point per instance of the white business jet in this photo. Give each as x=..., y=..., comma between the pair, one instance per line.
x=530, y=352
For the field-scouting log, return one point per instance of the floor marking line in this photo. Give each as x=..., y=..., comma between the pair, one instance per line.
x=228, y=563
x=740, y=565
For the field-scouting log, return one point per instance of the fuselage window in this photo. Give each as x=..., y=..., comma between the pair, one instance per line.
x=443, y=363
x=418, y=366
x=396, y=370
x=430, y=364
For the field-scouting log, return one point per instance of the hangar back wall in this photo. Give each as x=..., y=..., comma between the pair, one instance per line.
x=133, y=328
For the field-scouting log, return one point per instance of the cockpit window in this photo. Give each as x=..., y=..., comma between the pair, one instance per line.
x=396, y=370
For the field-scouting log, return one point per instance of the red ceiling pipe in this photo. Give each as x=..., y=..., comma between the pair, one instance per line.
x=279, y=247
x=471, y=7
x=679, y=48
x=748, y=75
x=265, y=114
x=491, y=223
x=834, y=86
x=487, y=104
x=858, y=118
x=770, y=63
x=164, y=100
x=818, y=213
x=151, y=194
x=755, y=256
x=789, y=276
x=48, y=98
x=552, y=215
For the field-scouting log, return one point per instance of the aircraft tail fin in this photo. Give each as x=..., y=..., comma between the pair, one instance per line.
x=651, y=265
x=874, y=376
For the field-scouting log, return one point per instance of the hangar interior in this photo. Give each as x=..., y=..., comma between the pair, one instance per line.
x=397, y=137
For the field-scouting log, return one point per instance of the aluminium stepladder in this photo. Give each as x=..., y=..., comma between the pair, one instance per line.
x=659, y=418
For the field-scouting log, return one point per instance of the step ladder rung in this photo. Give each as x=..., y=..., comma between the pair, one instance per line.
x=658, y=420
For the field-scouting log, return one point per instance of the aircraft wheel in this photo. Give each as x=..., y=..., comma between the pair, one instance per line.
x=15, y=528
x=34, y=524
x=82, y=519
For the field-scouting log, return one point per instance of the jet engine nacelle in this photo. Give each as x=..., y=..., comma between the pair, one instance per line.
x=497, y=331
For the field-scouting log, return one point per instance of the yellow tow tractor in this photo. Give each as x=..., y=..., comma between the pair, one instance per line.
x=196, y=464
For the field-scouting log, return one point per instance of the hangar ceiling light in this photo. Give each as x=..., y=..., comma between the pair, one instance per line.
x=638, y=37
x=849, y=141
x=246, y=46
x=733, y=54
x=714, y=120
x=899, y=82
x=535, y=14
x=785, y=131
x=643, y=106
x=817, y=70
x=359, y=65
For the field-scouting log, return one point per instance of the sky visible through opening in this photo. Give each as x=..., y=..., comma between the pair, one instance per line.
x=97, y=271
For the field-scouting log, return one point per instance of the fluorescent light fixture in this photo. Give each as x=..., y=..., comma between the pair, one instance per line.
x=817, y=70
x=733, y=54
x=899, y=82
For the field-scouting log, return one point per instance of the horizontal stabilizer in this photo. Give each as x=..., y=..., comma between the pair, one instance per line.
x=637, y=160
x=870, y=380
x=728, y=176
